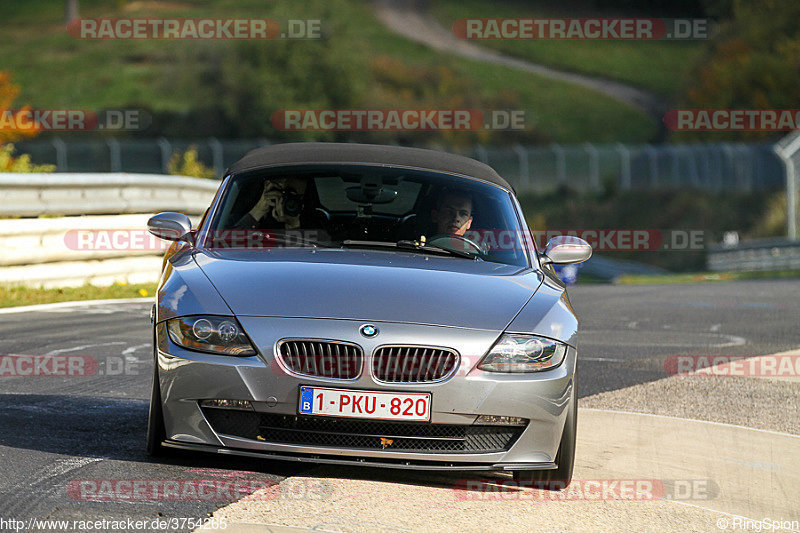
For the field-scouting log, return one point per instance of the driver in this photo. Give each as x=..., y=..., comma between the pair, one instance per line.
x=453, y=213
x=278, y=207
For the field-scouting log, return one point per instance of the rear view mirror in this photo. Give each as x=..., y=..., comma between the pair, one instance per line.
x=371, y=191
x=170, y=226
x=362, y=196
x=566, y=250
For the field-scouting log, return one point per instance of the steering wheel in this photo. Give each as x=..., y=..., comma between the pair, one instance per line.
x=445, y=241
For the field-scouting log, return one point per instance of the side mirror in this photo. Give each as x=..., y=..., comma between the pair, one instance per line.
x=170, y=226
x=566, y=250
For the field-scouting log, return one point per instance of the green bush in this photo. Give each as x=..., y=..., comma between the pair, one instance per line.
x=187, y=164
x=20, y=163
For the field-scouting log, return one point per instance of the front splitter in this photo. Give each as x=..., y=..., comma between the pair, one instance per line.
x=360, y=461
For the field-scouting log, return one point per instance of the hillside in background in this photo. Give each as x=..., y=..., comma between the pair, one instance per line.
x=231, y=88
x=662, y=67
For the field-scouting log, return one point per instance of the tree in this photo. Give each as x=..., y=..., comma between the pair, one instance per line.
x=10, y=129
x=754, y=63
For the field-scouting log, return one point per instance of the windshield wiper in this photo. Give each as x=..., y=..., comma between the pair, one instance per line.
x=411, y=245
x=431, y=247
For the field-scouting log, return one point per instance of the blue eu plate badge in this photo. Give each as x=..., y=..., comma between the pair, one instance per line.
x=306, y=400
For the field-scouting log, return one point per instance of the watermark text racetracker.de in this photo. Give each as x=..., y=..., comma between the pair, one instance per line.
x=63, y=120
x=397, y=119
x=601, y=239
x=587, y=490
x=768, y=366
x=230, y=487
x=194, y=28
x=624, y=239
x=732, y=119
x=66, y=366
x=583, y=29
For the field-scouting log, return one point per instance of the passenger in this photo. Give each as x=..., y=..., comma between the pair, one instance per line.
x=280, y=206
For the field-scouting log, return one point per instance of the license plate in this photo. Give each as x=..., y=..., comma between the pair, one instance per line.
x=414, y=406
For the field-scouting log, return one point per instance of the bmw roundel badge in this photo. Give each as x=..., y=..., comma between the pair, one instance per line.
x=368, y=330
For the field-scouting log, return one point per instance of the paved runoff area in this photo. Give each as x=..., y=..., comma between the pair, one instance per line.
x=674, y=454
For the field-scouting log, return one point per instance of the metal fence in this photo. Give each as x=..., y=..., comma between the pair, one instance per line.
x=756, y=255
x=716, y=167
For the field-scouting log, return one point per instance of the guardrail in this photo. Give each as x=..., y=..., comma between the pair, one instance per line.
x=66, y=251
x=756, y=255
x=92, y=248
x=29, y=195
x=75, y=250
x=28, y=241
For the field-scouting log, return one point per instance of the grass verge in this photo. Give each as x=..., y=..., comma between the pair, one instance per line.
x=703, y=277
x=14, y=296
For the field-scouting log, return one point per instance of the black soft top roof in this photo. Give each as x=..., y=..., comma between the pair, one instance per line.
x=401, y=156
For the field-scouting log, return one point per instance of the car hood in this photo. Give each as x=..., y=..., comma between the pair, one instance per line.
x=381, y=286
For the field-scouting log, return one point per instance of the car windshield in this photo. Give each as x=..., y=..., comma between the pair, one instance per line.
x=369, y=207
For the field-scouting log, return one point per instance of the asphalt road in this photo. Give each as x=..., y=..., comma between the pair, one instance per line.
x=627, y=332
x=57, y=432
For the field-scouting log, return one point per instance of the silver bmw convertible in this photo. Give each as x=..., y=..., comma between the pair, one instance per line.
x=366, y=305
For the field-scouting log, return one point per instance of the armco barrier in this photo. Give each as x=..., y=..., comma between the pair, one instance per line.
x=100, y=272
x=49, y=252
x=755, y=255
x=26, y=241
x=30, y=195
x=43, y=251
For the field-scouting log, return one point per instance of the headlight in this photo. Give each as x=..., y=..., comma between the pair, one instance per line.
x=523, y=353
x=212, y=334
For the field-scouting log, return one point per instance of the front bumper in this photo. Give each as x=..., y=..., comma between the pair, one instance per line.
x=186, y=377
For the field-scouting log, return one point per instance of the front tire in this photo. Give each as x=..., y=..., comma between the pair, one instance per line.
x=156, y=434
x=560, y=478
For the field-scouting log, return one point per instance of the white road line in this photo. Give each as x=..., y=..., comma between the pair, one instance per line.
x=691, y=420
x=587, y=337
x=712, y=510
x=603, y=359
x=58, y=305
x=76, y=348
x=128, y=351
x=734, y=341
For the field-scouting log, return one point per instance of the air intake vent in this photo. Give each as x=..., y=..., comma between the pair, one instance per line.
x=363, y=434
x=413, y=364
x=325, y=359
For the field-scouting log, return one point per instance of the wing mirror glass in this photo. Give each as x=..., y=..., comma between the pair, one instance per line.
x=566, y=250
x=170, y=226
